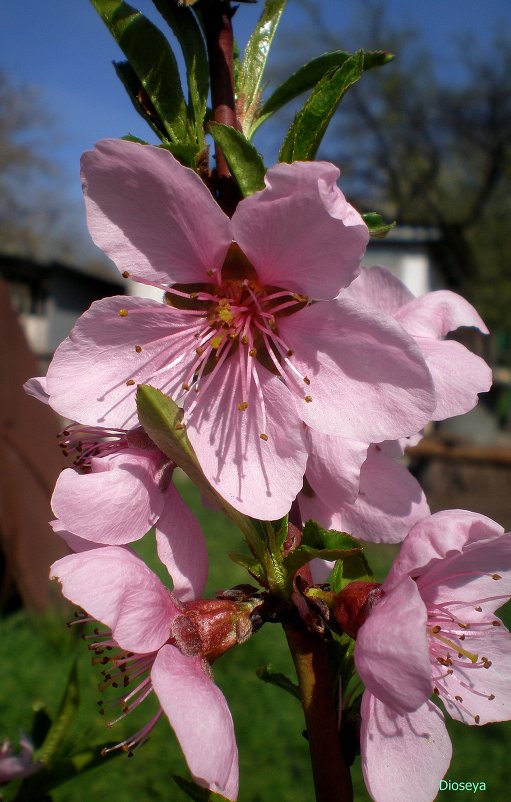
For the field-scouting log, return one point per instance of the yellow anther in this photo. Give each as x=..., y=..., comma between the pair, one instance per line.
x=308, y=398
x=130, y=382
x=252, y=352
x=244, y=339
x=306, y=380
x=263, y=437
x=242, y=406
x=199, y=350
x=496, y=576
x=126, y=274
x=138, y=348
x=217, y=341
x=185, y=386
x=123, y=313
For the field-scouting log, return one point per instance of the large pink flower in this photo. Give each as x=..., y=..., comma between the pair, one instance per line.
x=162, y=650
x=434, y=631
x=458, y=374
x=253, y=340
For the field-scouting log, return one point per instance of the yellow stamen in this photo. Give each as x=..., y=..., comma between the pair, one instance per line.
x=472, y=657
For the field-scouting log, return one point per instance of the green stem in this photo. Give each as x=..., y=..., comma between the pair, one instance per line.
x=332, y=779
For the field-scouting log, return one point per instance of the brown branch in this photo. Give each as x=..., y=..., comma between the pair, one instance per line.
x=217, y=20
x=332, y=779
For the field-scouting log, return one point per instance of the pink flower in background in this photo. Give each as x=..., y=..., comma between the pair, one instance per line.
x=120, y=488
x=359, y=489
x=163, y=650
x=434, y=631
x=458, y=374
x=252, y=340
x=17, y=766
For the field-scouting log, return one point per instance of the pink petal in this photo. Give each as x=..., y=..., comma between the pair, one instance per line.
x=114, y=505
x=391, y=651
x=181, y=547
x=458, y=376
x=468, y=577
x=403, y=757
x=437, y=313
x=333, y=467
x=87, y=379
x=199, y=715
x=368, y=380
x=480, y=683
x=378, y=288
x=152, y=216
x=36, y=387
x=390, y=502
x=258, y=477
x=300, y=233
x=115, y=587
x=439, y=536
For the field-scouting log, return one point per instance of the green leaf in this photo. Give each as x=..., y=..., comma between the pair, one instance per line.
x=267, y=674
x=309, y=126
x=133, y=138
x=308, y=76
x=41, y=724
x=187, y=155
x=197, y=792
x=187, y=31
x=250, y=564
x=322, y=543
x=162, y=420
x=139, y=98
x=66, y=713
x=350, y=568
x=153, y=61
x=244, y=161
x=280, y=529
x=316, y=537
x=377, y=227
x=254, y=61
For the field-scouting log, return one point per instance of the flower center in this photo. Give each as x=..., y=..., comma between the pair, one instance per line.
x=240, y=321
x=86, y=442
x=454, y=648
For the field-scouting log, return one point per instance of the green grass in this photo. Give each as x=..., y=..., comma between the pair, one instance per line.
x=274, y=760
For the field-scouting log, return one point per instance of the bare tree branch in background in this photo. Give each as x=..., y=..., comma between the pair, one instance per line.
x=429, y=151
x=36, y=217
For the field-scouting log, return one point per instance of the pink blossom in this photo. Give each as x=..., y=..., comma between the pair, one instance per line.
x=458, y=374
x=434, y=631
x=252, y=340
x=360, y=489
x=120, y=488
x=15, y=767
x=153, y=643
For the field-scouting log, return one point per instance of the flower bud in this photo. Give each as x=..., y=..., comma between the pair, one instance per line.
x=353, y=604
x=210, y=627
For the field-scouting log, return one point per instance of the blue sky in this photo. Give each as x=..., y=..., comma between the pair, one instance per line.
x=62, y=48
